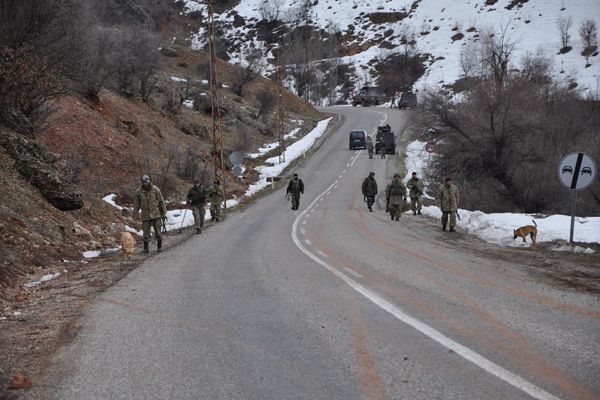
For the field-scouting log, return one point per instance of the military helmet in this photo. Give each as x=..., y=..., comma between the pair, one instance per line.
x=145, y=179
x=371, y=173
x=397, y=175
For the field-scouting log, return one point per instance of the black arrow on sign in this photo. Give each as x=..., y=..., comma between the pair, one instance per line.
x=576, y=171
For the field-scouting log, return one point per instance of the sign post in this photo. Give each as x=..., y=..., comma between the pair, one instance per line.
x=576, y=171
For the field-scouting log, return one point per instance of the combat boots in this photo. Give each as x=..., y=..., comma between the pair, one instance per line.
x=419, y=212
x=159, y=245
x=444, y=228
x=452, y=229
x=198, y=231
x=145, y=247
x=415, y=213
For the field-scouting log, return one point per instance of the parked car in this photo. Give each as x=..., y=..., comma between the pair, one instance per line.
x=358, y=139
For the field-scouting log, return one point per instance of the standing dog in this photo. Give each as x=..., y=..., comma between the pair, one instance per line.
x=128, y=245
x=523, y=231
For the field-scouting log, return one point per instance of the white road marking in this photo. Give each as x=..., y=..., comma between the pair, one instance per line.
x=304, y=222
x=308, y=242
x=463, y=351
x=340, y=177
x=303, y=231
x=355, y=158
x=347, y=165
x=322, y=254
x=328, y=193
x=344, y=171
x=351, y=272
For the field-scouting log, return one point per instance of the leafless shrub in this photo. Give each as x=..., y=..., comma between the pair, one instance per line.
x=564, y=23
x=266, y=101
x=270, y=9
x=588, y=31
x=253, y=65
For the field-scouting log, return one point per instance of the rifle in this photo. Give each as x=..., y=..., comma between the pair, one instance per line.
x=164, y=225
x=457, y=215
x=287, y=196
x=182, y=220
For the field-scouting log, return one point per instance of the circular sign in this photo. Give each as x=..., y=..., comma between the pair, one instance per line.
x=577, y=171
x=430, y=147
x=237, y=157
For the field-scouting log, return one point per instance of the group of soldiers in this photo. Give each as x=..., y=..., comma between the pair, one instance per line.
x=371, y=147
x=149, y=200
x=395, y=197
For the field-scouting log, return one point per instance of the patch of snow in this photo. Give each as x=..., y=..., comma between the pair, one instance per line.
x=110, y=199
x=188, y=103
x=178, y=79
x=44, y=278
x=92, y=253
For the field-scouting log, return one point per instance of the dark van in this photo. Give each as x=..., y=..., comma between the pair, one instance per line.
x=358, y=139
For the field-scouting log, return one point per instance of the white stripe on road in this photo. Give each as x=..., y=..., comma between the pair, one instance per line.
x=355, y=158
x=322, y=254
x=463, y=351
x=308, y=242
x=351, y=272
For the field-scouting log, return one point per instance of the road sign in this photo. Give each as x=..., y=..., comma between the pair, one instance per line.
x=430, y=147
x=236, y=158
x=237, y=170
x=577, y=171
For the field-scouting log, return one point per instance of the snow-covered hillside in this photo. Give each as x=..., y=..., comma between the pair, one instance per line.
x=532, y=25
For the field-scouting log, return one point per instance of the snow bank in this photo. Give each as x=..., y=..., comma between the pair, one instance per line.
x=44, y=278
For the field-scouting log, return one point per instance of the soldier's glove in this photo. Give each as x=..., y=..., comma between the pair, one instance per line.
x=365, y=199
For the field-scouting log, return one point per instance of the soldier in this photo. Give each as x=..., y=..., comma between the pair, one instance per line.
x=369, y=190
x=149, y=200
x=395, y=196
x=370, y=147
x=216, y=197
x=448, y=203
x=382, y=149
x=415, y=188
x=294, y=189
x=196, y=197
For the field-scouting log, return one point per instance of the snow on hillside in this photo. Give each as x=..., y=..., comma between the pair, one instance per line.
x=532, y=26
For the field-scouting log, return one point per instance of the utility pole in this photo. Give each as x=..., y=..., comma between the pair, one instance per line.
x=216, y=108
x=280, y=114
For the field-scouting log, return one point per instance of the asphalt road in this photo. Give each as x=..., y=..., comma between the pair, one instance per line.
x=332, y=302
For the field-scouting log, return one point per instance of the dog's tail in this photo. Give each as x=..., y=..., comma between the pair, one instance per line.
x=533, y=220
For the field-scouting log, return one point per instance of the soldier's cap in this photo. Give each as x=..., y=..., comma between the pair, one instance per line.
x=397, y=175
x=371, y=173
x=414, y=173
x=145, y=179
x=295, y=175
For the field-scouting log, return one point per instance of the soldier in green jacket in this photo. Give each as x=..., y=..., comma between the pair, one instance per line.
x=369, y=190
x=448, y=203
x=295, y=189
x=395, y=196
x=216, y=197
x=149, y=200
x=415, y=188
x=196, y=197
x=370, y=147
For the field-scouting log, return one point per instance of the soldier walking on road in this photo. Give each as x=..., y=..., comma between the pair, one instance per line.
x=149, y=200
x=369, y=190
x=415, y=188
x=382, y=149
x=395, y=196
x=295, y=189
x=216, y=197
x=448, y=203
x=196, y=197
x=370, y=147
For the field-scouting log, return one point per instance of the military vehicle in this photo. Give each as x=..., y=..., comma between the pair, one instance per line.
x=407, y=100
x=368, y=96
x=385, y=140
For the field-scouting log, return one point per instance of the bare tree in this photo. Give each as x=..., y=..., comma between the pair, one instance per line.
x=469, y=59
x=270, y=9
x=253, y=65
x=266, y=100
x=497, y=49
x=588, y=31
x=564, y=23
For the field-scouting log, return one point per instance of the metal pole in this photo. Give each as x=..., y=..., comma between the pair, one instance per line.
x=573, y=211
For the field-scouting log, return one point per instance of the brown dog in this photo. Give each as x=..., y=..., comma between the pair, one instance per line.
x=128, y=245
x=523, y=231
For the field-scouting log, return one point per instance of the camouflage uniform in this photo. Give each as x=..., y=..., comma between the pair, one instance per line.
x=370, y=148
x=196, y=196
x=448, y=203
x=295, y=189
x=369, y=190
x=149, y=200
x=415, y=188
x=216, y=197
x=395, y=195
x=382, y=149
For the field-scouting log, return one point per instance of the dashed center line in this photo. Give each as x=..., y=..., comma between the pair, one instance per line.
x=354, y=273
x=308, y=242
x=322, y=254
